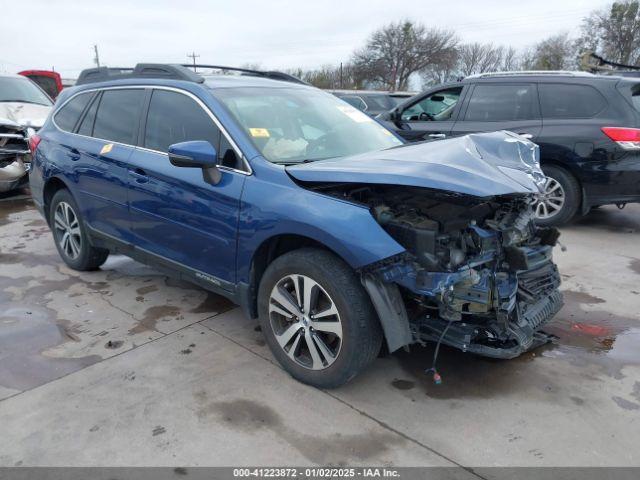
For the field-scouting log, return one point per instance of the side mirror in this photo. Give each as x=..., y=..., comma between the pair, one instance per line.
x=197, y=154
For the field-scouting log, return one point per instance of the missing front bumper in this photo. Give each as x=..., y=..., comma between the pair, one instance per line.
x=520, y=334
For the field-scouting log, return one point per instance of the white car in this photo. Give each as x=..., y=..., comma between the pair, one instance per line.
x=23, y=109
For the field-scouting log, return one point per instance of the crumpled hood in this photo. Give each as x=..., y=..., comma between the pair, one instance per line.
x=16, y=114
x=482, y=165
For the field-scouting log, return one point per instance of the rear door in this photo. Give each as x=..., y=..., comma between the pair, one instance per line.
x=176, y=215
x=106, y=137
x=501, y=106
x=432, y=116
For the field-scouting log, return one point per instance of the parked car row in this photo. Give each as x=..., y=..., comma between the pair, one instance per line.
x=327, y=225
x=305, y=211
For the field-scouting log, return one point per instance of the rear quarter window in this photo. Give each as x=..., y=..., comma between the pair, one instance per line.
x=570, y=100
x=67, y=117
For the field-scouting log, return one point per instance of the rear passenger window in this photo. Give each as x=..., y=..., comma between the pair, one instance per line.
x=570, y=101
x=118, y=114
x=173, y=118
x=495, y=103
x=67, y=117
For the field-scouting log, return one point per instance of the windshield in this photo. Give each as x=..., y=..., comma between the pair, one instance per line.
x=20, y=89
x=294, y=125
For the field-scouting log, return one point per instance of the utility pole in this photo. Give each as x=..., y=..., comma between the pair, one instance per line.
x=97, y=57
x=341, y=84
x=193, y=56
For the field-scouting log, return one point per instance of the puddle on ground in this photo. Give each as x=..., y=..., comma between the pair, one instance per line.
x=24, y=334
x=11, y=205
x=583, y=337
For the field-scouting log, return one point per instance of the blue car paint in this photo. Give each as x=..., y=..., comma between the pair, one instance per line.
x=216, y=230
x=481, y=165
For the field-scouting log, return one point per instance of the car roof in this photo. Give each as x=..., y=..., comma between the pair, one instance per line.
x=216, y=81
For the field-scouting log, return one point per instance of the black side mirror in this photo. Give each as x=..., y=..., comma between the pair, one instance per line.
x=197, y=154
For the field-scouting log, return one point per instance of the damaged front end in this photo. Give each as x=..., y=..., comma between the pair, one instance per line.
x=18, y=123
x=477, y=275
x=477, y=272
x=14, y=156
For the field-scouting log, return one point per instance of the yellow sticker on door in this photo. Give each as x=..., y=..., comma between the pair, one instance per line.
x=106, y=149
x=259, y=132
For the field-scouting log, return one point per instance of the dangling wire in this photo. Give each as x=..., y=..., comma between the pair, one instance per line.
x=437, y=379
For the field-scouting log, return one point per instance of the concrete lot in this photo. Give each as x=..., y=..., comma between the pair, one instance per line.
x=127, y=367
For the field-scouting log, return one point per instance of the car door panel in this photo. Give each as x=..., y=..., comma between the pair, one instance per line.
x=102, y=184
x=418, y=130
x=176, y=215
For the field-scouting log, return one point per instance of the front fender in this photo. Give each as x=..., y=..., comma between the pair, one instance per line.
x=270, y=208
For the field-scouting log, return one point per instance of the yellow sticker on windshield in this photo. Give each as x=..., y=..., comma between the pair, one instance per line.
x=354, y=114
x=106, y=149
x=259, y=132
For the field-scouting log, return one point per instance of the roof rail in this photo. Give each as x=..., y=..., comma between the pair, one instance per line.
x=141, y=70
x=171, y=71
x=567, y=73
x=272, y=74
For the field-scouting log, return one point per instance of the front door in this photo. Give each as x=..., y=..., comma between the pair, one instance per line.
x=175, y=214
x=432, y=117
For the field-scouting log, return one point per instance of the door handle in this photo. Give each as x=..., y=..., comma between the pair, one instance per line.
x=437, y=135
x=140, y=175
x=74, y=154
x=528, y=136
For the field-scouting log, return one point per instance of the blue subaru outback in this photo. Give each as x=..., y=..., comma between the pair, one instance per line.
x=304, y=211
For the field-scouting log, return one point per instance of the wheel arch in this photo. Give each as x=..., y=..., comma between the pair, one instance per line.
x=270, y=249
x=573, y=171
x=51, y=187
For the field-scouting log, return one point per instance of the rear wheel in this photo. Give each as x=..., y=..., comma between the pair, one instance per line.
x=317, y=319
x=69, y=234
x=560, y=200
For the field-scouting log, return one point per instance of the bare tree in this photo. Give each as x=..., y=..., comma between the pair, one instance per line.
x=614, y=32
x=398, y=50
x=330, y=76
x=556, y=52
x=510, y=60
x=479, y=58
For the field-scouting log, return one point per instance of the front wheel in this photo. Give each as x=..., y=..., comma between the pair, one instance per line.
x=560, y=201
x=317, y=318
x=69, y=234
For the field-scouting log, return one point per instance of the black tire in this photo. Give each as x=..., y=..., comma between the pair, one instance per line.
x=88, y=257
x=361, y=332
x=572, y=196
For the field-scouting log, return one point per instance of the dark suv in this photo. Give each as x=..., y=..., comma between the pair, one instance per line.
x=586, y=126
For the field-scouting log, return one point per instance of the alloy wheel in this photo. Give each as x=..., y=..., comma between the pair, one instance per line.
x=67, y=229
x=305, y=322
x=551, y=200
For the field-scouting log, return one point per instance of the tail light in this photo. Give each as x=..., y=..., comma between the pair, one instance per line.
x=34, y=141
x=627, y=138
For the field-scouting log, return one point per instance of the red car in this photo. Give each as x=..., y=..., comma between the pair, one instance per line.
x=51, y=82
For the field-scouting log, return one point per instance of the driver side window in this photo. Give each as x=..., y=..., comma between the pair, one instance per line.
x=438, y=106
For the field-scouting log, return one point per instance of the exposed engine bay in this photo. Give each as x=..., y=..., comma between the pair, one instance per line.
x=477, y=273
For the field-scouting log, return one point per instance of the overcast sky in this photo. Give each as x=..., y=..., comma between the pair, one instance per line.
x=272, y=33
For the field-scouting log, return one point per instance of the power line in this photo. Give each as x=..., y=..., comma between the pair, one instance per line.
x=193, y=56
